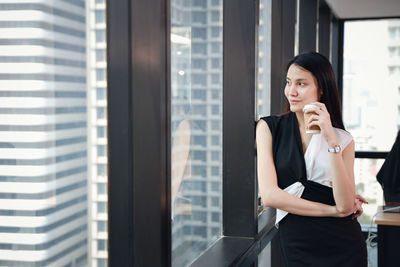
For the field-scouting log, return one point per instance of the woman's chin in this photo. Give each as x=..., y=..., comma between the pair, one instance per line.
x=296, y=108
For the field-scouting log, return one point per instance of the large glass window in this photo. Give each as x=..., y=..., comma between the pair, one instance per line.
x=263, y=93
x=196, y=165
x=48, y=167
x=371, y=99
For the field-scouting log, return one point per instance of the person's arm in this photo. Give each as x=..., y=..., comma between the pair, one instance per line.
x=343, y=185
x=342, y=164
x=271, y=194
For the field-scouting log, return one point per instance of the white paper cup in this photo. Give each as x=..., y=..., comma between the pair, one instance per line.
x=315, y=128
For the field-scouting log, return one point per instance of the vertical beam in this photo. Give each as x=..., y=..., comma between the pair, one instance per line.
x=139, y=208
x=337, y=52
x=324, y=31
x=308, y=17
x=239, y=81
x=120, y=184
x=282, y=49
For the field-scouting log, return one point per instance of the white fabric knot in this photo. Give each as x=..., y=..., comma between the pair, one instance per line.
x=295, y=189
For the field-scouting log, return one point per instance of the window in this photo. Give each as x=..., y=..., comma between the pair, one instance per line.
x=364, y=103
x=216, y=32
x=199, y=48
x=199, y=155
x=263, y=92
x=101, y=131
x=101, y=169
x=199, y=140
x=101, y=93
x=200, y=124
x=101, y=245
x=199, y=33
x=215, y=217
x=203, y=67
x=215, y=171
x=215, y=78
x=215, y=16
x=101, y=262
x=199, y=64
x=215, y=94
x=200, y=17
x=215, y=63
x=101, y=188
x=200, y=94
x=216, y=2
x=199, y=170
x=216, y=48
x=100, y=55
x=101, y=226
x=101, y=207
x=100, y=36
x=215, y=201
x=101, y=113
x=100, y=16
x=100, y=74
x=199, y=3
x=216, y=155
x=101, y=151
x=199, y=79
x=215, y=109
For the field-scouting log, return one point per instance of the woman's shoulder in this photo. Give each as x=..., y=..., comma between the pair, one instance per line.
x=344, y=137
x=275, y=118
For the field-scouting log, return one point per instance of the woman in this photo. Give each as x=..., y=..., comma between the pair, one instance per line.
x=312, y=188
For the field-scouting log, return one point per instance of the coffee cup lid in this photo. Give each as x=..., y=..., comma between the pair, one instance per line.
x=309, y=106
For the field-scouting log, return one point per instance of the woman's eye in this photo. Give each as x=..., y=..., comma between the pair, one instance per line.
x=301, y=84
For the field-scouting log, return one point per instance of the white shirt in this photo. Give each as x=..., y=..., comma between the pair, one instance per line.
x=318, y=166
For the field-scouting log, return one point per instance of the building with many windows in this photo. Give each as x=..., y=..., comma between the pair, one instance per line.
x=97, y=132
x=43, y=133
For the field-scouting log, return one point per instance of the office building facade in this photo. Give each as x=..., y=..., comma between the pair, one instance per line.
x=43, y=133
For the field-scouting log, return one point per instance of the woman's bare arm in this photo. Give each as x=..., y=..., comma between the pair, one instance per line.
x=271, y=194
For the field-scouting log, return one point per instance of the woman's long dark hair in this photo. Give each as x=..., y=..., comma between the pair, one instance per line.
x=321, y=69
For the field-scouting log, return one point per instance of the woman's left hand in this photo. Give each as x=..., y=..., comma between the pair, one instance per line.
x=323, y=120
x=359, y=200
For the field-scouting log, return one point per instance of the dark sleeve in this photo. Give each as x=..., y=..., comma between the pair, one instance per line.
x=389, y=174
x=271, y=121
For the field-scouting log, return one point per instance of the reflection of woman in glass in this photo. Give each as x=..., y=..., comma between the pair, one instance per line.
x=180, y=155
x=309, y=178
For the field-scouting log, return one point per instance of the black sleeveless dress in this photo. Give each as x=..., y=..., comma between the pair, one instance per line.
x=311, y=241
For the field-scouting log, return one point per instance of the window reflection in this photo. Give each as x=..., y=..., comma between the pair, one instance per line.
x=196, y=127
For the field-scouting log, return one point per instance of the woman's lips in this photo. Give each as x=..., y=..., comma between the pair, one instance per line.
x=294, y=102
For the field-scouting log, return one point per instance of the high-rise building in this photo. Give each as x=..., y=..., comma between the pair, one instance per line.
x=97, y=133
x=43, y=133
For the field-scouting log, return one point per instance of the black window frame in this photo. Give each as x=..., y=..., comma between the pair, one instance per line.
x=138, y=94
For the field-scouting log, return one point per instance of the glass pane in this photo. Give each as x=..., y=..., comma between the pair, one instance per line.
x=371, y=99
x=365, y=171
x=264, y=60
x=52, y=73
x=196, y=124
x=264, y=258
x=371, y=81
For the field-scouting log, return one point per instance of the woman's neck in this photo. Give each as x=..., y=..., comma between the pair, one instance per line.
x=300, y=119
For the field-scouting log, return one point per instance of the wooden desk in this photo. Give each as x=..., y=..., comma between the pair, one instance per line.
x=388, y=238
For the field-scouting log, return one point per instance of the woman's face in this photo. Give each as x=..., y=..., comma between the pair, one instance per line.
x=301, y=88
